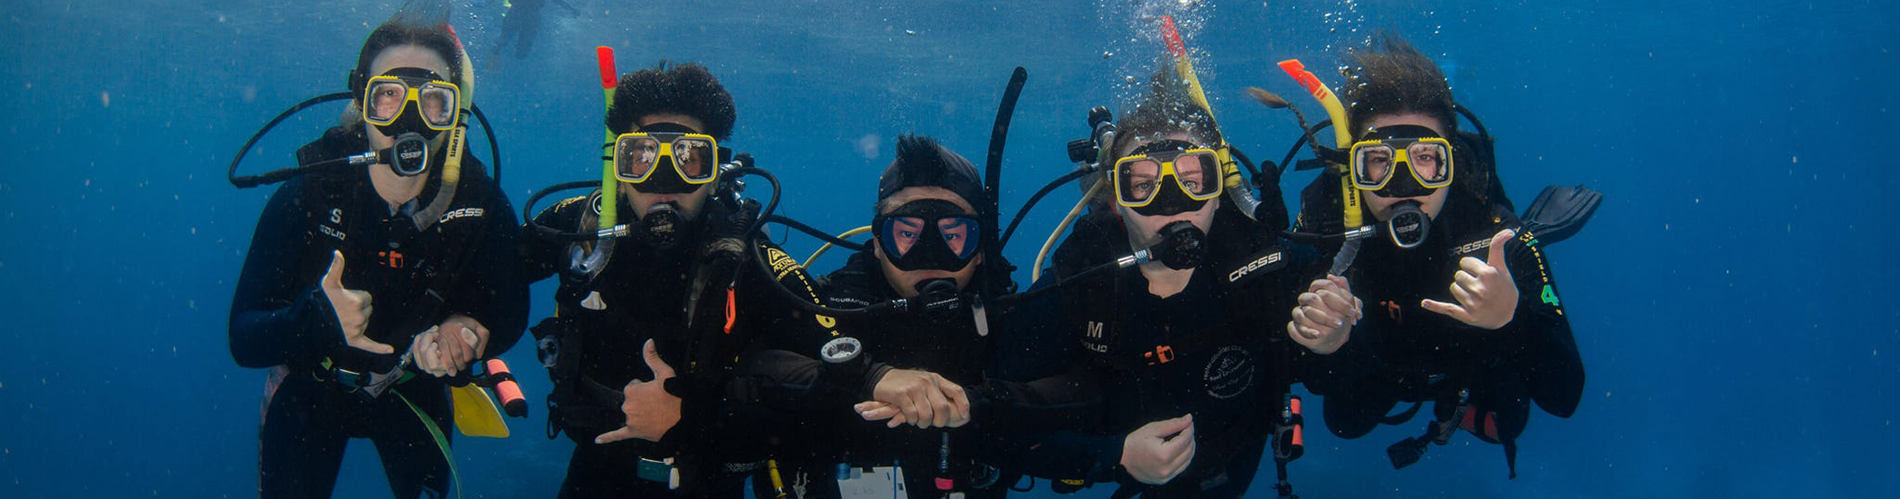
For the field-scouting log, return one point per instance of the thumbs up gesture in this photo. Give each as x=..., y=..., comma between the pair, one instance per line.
x=650, y=410
x=1487, y=297
x=352, y=308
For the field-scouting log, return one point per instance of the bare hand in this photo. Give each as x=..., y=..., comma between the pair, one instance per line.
x=1487, y=297
x=1157, y=452
x=922, y=399
x=352, y=308
x=651, y=412
x=457, y=355
x=426, y=351
x=1325, y=316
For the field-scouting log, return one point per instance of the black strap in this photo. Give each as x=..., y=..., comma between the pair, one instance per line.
x=1402, y=417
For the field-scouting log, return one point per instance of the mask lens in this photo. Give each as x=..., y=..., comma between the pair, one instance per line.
x=1136, y=179
x=959, y=233
x=384, y=101
x=438, y=105
x=1371, y=165
x=1431, y=161
x=694, y=156
x=901, y=234
x=634, y=156
x=1198, y=174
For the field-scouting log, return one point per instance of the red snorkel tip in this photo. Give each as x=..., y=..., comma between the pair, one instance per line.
x=1173, y=37
x=1298, y=71
x=607, y=74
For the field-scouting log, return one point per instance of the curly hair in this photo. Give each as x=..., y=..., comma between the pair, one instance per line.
x=686, y=89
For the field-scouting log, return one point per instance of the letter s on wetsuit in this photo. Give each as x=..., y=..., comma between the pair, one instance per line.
x=463, y=263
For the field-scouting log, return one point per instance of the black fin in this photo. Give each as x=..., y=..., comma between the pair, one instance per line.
x=1559, y=212
x=1406, y=452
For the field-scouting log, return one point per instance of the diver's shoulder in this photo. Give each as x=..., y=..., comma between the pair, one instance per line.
x=566, y=211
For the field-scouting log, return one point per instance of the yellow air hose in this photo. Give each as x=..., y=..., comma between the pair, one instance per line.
x=827, y=247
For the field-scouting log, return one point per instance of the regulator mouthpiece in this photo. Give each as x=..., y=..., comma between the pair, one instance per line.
x=1183, y=246
x=1408, y=224
x=662, y=226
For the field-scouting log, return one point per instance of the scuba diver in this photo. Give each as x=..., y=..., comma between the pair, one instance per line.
x=1199, y=368
x=639, y=378
x=369, y=286
x=521, y=24
x=1464, y=309
x=899, y=400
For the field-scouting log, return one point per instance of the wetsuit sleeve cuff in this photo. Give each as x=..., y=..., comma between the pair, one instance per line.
x=871, y=378
x=1107, y=452
x=322, y=333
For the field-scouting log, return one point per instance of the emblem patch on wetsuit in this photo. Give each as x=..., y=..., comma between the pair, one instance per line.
x=781, y=263
x=1229, y=372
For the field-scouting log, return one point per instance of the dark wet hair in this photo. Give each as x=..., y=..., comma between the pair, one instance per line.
x=409, y=28
x=922, y=162
x=1390, y=77
x=686, y=89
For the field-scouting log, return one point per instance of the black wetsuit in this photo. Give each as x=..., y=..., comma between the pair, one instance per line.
x=641, y=295
x=811, y=401
x=1216, y=350
x=1401, y=352
x=462, y=263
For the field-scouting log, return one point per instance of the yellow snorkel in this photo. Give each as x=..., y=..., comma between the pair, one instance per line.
x=1342, y=135
x=1353, y=217
x=1230, y=170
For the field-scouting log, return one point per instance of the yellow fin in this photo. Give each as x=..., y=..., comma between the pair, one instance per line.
x=476, y=414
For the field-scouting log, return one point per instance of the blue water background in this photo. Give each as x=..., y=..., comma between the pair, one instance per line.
x=1731, y=299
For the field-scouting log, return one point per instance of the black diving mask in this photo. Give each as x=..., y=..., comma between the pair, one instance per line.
x=928, y=234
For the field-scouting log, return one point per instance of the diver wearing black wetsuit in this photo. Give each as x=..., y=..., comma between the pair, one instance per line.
x=1441, y=324
x=1214, y=350
x=687, y=278
x=420, y=267
x=1401, y=352
x=927, y=238
x=598, y=333
x=820, y=396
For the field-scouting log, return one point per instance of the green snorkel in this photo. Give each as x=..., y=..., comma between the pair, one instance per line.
x=609, y=185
